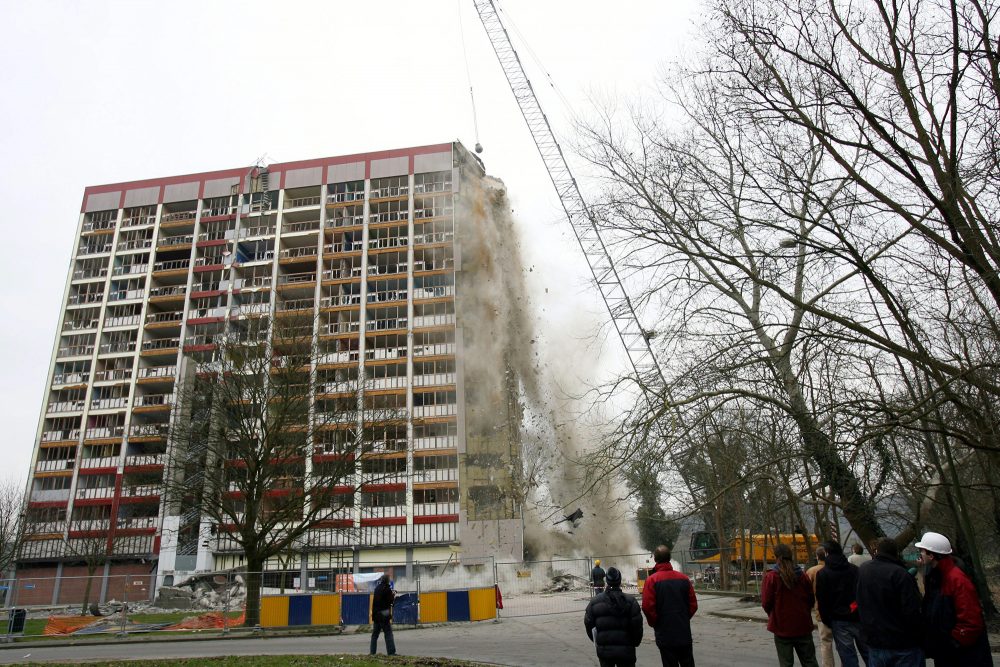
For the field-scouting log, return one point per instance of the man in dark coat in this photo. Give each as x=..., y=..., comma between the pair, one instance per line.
x=614, y=623
x=597, y=577
x=669, y=602
x=836, y=598
x=889, y=609
x=954, y=629
x=382, y=615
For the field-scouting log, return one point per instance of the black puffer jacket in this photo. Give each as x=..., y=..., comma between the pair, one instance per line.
x=618, y=620
x=836, y=590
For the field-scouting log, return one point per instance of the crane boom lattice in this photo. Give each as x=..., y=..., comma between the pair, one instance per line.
x=634, y=338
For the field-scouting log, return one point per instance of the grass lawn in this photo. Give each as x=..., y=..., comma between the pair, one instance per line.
x=290, y=661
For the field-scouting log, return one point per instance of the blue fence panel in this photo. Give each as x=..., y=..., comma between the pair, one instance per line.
x=458, y=605
x=355, y=608
x=404, y=609
x=300, y=610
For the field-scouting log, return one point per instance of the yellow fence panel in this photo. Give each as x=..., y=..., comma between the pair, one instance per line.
x=482, y=604
x=433, y=607
x=326, y=609
x=274, y=611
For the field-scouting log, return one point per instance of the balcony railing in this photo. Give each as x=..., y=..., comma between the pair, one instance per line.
x=435, y=410
x=385, y=353
x=164, y=317
x=215, y=235
x=93, y=249
x=90, y=524
x=169, y=241
x=200, y=313
x=142, y=490
x=383, y=512
x=387, y=295
x=259, y=230
x=42, y=527
x=122, y=321
x=109, y=403
x=172, y=265
x=75, y=351
x=104, y=432
x=431, y=379
x=175, y=290
x=391, y=191
x=161, y=344
x=439, y=475
x=346, y=221
x=217, y=211
x=98, y=225
x=118, y=348
x=253, y=281
x=388, y=242
x=130, y=269
x=126, y=295
x=151, y=400
x=433, y=350
x=65, y=406
x=435, y=237
x=137, y=522
x=386, y=324
x=100, y=462
x=340, y=328
x=340, y=246
x=180, y=216
x=145, y=460
x=202, y=339
x=387, y=269
x=303, y=201
x=433, y=186
x=158, y=372
x=340, y=300
x=433, y=292
x=433, y=320
x=112, y=374
x=85, y=274
x=85, y=297
x=303, y=226
x=149, y=430
x=388, y=216
x=434, y=509
x=69, y=378
x=297, y=278
x=96, y=492
x=432, y=212
x=341, y=197
x=436, y=442
x=210, y=260
x=293, y=253
x=134, y=244
x=344, y=273
x=54, y=466
x=398, y=382
x=251, y=309
x=58, y=436
x=138, y=220
x=297, y=304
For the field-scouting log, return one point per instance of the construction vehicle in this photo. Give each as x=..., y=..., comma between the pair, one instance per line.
x=756, y=548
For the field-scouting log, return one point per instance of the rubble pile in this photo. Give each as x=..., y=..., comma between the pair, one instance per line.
x=561, y=583
x=209, y=591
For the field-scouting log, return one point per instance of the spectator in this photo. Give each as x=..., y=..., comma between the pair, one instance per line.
x=787, y=597
x=954, y=629
x=825, y=633
x=614, y=623
x=669, y=602
x=382, y=615
x=836, y=598
x=889, y=610
x=858, y=556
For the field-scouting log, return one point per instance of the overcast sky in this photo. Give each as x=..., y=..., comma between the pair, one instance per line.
x=100, y=92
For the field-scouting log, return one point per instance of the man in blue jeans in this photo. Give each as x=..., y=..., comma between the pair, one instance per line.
x=836, y=598
x=889, y=609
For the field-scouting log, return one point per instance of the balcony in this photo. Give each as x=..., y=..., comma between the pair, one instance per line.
x=433, y=212
x=388, y=216
x=138, y=221
x=126, y=295
x=431, y=187
x=93, y=249
x=85, y=297
x=122, y=321
x=117, y=403
x=54, y=466
x=104, y=432
x=138, y=523
x=342, y=197
x=297, y=279
x=120, y=347
x=299, y=202
x=437, y=292
x=436, y=237
x=75, y=351
x=297, y=304
x=443, y=410
x=145, y=460
x=434, y=509
x=175, y=241
x=65, y=406
x=99, y=462
x=149, y=430
x=177, y=218
x=175, y=290
x=157, y=372
x=388, y=242
x=386, y=324
x=439, y=475
x=433, y=320
x=169, y=317
x=60, y=436
x=297, y=227
x=387, y=269
x=433, y=350
x=383, y=512
x=304, y=252
x=335, y=328
x=44, y=527
x=172, y=265
x=436, y=442
x=92, y=226
x=130, y=269
x=141, y=491
x=69, y=378
x=89, y=525
x=398, y=382
x=161, y=344
x=89, y=274
x=154, y=400
x=341, y=221
x=96, y=492
x=135, y=244
x=390, y=192
x=259, y=230
x=387, y=296
x=113, y=375
x=340, y=246
x=385, y=353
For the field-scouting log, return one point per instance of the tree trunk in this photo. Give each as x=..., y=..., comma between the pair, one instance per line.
x=254, y=580
x=86, y=589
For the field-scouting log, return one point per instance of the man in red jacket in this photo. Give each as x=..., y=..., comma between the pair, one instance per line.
x=669, y=602
x=954, y=630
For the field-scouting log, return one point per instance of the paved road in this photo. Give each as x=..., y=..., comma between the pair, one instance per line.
x=534, y=641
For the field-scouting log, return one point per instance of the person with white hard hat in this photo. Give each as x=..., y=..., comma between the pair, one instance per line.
x=954, y=629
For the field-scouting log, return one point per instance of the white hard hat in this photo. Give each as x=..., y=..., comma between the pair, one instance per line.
x=936, y=543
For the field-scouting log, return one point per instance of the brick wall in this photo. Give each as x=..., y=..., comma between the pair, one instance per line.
x=35, y=585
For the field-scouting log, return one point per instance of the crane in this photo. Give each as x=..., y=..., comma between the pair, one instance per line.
x=634, y=338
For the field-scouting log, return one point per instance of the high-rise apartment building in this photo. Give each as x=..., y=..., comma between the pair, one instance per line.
x=386, y=252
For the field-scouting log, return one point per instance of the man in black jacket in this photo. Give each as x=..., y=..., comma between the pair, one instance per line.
x=889, y=609
x=836, y=598
x=382, y=615
x=613, y=622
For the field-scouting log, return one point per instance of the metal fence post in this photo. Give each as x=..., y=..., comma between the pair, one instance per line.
x=225, y=605
x=124, y=611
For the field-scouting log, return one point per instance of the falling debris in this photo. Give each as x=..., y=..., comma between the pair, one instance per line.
x=573, y=518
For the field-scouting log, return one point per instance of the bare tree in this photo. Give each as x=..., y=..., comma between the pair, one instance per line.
x=11, y=523
x=268, y=446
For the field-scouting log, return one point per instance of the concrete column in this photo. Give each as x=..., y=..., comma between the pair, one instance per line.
x=357, y=560
x=409, y=563
x=104, y=582
x=55, y=587
x=304, y=572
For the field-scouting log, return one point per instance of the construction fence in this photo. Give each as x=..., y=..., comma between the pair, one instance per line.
x=427, y=592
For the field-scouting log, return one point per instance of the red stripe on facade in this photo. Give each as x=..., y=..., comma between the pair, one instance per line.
x=88, y=533
x=41, y=504
x=138, y=500
x=205, y=320
x=383, y=487
x=209, y=267
x=149, y=467
x=199, y=348
x=335, y=523
x=436, y=518
x=385, y=521
x=208, y=244
x=130, y=532
x=98, y=471
x=218, y=218
x=207, y=294
x=83, y=502
x=156, y=544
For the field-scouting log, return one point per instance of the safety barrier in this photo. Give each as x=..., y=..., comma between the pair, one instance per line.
x=477, y=604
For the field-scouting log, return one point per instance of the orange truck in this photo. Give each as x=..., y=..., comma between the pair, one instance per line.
x=756, y=548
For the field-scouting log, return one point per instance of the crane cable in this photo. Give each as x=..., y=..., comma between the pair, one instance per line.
x=468, y=77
